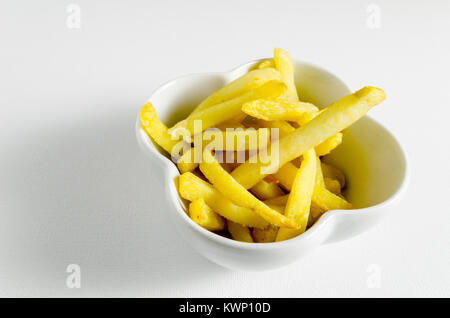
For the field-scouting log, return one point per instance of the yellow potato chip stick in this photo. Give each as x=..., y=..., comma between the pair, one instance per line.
x=319, y=174
x=327, y=200
x=277, y=109
x=284, y=64
x=155, y=128
x=299, y=200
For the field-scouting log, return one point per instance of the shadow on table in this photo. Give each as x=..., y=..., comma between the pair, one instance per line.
x=88, y=196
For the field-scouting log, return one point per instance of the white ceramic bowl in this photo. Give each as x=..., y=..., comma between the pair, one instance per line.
x=371, y=158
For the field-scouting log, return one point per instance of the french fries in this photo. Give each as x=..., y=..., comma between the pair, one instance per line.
x=266, y=190
x=286, y=175
x=320, y=180
x=284, y=128
x=186, y=162
x=229, y=109
x=326, y=200
x=239, y=232
x=155, y=128
x=236, y=140
x=284, y=64
x=204, y=216
x=241, y=85
x=276, y=186
x=272, y=109
x=321, y=196
x=237, y=194
x=332, y=120
x=328, y=145
x=299, y=200
x=192, y=187
x=279, y=111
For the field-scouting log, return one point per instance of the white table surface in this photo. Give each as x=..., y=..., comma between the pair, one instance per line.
x=75, y=188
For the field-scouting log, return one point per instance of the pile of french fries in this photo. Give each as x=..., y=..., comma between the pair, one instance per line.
x=255, y=200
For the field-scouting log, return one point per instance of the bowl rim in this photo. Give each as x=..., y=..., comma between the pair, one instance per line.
x=171, y=171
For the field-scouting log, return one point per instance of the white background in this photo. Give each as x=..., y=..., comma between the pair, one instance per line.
x=74, y=187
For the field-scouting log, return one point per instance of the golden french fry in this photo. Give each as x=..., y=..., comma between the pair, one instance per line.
x=286, y=175
x=284, y=64
x=238, y=87
x=239, y=232
x=229, y=109
x=319, y=174
x=204, y=216
x=330, y=171
x=192, y=187
x=237, y=194
x=266, y=190
x=333, y=185
x=319, y=205
x=270, y=63
x=327, y=200
x=328, y=145
x=299, y=200
x=332, y=120
x=155, y=128
x=277, y=109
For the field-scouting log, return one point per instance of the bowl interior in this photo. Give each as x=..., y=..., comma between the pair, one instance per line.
x=370, y=157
